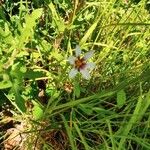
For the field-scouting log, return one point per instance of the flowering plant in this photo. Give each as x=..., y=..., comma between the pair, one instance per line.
x=80, y=63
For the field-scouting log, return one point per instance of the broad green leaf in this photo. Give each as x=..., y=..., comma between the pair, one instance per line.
x=5, y=84
x=56, y=94
x=30, y=22
x=18, y=71
x=18, y=98
x=20, y=102
x=121, y=98
x=57, y=55
x=5, y=81
x=37, y=111
x=31, y=74
x=6, y=34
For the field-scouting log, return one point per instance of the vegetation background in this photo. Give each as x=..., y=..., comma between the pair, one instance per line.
x=42, y=108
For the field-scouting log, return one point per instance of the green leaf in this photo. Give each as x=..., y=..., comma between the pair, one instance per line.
x=6, y=34
x=121, y=98
x=137, y=115
x=18, y=71
x=30, y=22
x=20, y=102
x=86, y=108
x=5, y=84
x=2, y=13
x=3, y=98
x=102, y=113
x=57, y=55
x=77, y=89
x=89, y=32
x=31, y=74
x=5, y=80
x=18, y=98
x=37, y=111
x=56, y=18
x=83, y=139
x=70, y=133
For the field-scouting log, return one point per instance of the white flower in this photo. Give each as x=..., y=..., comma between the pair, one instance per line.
x=80, y=63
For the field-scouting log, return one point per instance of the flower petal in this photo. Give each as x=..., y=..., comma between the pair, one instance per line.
x=90, y=66
x=73, y=73
x=88, y=55
x=77, y=51
x=71, y=60
x=85, y=73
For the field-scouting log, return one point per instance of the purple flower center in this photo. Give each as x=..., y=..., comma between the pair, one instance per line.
x=80, y=63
